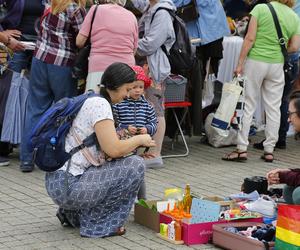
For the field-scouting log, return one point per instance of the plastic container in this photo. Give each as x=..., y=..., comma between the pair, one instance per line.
x=175, y=88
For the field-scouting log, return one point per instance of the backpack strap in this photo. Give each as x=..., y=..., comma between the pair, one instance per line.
x=85, y=151
x=89, y=141
x=172, y=14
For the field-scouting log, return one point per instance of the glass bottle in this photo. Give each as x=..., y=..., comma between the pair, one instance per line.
x=187, y=199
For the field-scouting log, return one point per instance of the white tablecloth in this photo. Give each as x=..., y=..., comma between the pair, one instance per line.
x=232, y=46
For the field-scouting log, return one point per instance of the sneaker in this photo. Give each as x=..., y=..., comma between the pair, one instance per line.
x=4, y=161
x=264, y=205
x=253, y=196
x=154, y=163
x=26, y=166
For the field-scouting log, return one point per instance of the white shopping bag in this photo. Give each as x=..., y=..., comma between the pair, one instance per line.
x=215, y=139
x=230, y=95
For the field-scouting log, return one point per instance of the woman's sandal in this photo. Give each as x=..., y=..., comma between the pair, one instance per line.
x=239, y=158
x=121, y=231
x=263, y=157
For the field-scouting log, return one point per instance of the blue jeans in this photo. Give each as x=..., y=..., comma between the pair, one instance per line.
x=48, y=83
x=21, y=60
x=284, y=125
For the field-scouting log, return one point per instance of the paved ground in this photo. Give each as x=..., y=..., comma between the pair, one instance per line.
x=27, y=214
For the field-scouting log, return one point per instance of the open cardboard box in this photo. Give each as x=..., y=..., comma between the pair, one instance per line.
x=200, y=233
x=232, y=241
x=146, y=216
x=225, y=205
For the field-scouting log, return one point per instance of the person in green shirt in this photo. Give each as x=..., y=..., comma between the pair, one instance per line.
x=261, y=62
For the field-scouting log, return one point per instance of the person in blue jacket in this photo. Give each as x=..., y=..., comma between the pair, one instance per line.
x=211, y=26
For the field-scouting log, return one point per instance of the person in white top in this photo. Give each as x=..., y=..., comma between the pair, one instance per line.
x=98, y=199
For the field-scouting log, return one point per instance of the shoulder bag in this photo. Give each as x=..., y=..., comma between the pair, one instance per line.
x=287, y=67
x=188, y=12
x=81, y=64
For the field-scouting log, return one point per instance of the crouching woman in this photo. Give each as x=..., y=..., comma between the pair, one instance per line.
x=99, y=199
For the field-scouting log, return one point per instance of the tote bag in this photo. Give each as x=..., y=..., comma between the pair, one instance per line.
x=230, y=95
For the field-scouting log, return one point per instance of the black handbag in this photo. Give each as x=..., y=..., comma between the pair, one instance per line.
x=188, y=12
x=258, y=183
x=81, y=63
x=287, y=67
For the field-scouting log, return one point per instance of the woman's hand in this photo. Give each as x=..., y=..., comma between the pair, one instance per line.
x=239, y=70
x=15, y=45
x=13, y=33
x=146, y=141
x=273, y=175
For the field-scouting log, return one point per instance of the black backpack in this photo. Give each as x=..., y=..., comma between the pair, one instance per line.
x=180, y=55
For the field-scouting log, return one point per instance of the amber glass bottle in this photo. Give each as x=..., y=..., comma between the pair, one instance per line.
x=187, y=199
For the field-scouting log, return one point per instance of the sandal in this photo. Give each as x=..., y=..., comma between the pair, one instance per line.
x=239, y=158
x=63, y=218
x=121, y=231
x=263, y=157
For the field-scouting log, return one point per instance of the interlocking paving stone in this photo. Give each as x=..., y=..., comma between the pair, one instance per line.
x=27, y=214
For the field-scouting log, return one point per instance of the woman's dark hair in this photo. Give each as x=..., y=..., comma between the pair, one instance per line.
x=295, y=97
x=115, y=76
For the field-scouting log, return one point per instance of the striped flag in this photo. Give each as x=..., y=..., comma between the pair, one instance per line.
x=288, y=228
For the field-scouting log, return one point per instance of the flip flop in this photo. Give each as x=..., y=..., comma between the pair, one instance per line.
x=239, y=158
x=263, y=157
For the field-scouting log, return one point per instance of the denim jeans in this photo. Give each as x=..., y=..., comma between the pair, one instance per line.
x=284, y=125
x=21, y=60
x=48, y=83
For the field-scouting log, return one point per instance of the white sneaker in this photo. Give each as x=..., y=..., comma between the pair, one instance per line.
x=264, y=205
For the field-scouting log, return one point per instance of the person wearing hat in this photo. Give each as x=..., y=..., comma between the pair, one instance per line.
x=135, y=115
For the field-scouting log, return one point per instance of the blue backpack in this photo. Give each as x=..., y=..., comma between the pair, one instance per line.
x=47, y=139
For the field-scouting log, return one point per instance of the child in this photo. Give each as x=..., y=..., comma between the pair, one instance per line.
x=135, y=115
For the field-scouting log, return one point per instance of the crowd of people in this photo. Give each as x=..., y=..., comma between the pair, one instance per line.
x=128, y=67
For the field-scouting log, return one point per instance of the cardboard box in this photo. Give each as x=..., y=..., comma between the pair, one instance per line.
x=234, y=241
x=200, y=233
x=147, y=217
x=225, y=205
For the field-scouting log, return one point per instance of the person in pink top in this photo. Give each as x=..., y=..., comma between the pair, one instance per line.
x=114, y=38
